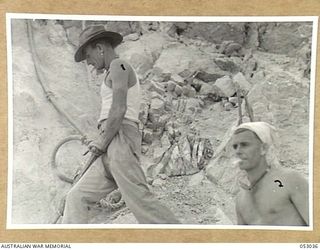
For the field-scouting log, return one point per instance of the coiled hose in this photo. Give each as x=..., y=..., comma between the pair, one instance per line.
x=60, y=175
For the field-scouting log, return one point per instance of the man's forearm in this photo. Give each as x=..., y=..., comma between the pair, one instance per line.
x=111, y=128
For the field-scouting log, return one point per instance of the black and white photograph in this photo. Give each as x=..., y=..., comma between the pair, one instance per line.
x=160, y=122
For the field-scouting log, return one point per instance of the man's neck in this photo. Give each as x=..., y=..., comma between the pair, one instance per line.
x=256, y=173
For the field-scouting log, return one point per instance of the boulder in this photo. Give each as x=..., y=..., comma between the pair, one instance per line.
x=147, y=136
x=229, y=64
x=186, y=73
x=210, y=93
x=208, y=77
x=178, y=57
x=240, y=81
x=142, y=53
x=206, y=89
x=188, y=91
x=230, y=48
x=157, y=88
x=228, y=106
x=157, y=106
x=159, y=76
x=178, y=90
x=226, y=86
x=178, y=79
x=131, y=37
x=171, y=86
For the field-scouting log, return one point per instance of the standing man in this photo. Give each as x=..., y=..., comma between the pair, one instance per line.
x=275, y=196
x=119, y=142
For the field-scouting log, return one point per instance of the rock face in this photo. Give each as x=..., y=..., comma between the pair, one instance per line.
x=284, y=38
x=189, y=74
x=281, y=99
x=38, y=126
x=215, y=33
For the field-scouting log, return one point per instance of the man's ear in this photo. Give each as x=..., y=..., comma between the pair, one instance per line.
x=99, y=46
x=264, y=149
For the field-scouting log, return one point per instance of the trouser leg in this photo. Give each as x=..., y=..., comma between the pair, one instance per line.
x=93, y=186
x=124, y=164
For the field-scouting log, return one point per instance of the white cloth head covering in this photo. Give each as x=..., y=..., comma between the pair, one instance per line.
x=263, y=130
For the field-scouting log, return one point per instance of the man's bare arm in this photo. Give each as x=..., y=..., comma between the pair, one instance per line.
x=118, y=109
x=299, y=195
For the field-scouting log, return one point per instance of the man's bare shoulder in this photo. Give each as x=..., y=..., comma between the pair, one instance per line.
x=288, y=177
x=119, y=63
x=119, y=73
x=286, y=173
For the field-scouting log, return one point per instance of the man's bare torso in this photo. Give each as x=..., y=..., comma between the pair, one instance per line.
x=269, y=203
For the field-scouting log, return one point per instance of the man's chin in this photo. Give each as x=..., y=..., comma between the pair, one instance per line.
x=239, y=162
x=242, y=165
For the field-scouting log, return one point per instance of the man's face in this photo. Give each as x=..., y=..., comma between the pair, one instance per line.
x=248, y=149
x=94, y=57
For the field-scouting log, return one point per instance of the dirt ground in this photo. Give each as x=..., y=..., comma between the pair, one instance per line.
x=201, y=204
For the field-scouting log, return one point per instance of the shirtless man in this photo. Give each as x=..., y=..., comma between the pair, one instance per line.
x=275, y=196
